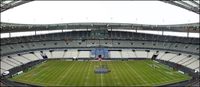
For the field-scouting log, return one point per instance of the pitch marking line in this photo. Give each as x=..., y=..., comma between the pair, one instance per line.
x=136, y=73
x=101, y=77
x=68, y=70
x=88, y=74
x=62, y=72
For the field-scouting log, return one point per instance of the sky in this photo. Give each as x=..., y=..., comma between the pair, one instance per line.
x=139, y=12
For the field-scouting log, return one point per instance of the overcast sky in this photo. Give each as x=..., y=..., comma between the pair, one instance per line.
x=140, y=12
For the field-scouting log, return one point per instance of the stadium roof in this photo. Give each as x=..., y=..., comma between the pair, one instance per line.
x=137, y=12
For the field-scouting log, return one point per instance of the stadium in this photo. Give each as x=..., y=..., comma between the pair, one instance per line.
x=100, y=43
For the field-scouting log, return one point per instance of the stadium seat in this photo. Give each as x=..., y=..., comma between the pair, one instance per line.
x=150, y=53
x=20, y=59
x=178, y=58
x=6, y=59
x=141, y=54
x=193, y=65
x=48, y=54
x=6, y=66
x=30, y=56
x=84, y=54
x=115, y=54
x=38, y=54
x=127, y=53
x=57, y=54
x=71, y=53
x=168, y=56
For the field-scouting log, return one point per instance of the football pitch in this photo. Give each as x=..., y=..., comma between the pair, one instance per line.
x=81, y=73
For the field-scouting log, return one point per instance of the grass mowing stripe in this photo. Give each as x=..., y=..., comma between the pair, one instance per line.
x=52, y=72
x=101, y=76
x=151, y=73
x=40, y=71
x=42, y=76
x=142, y=72
x=33, y=73
x=163, y=71
x=128, y=76
x=87, y=76
x=131, y=76
x=62, y=77
x=59, y=71
x=146, y=83
x=147, y=72
x=160, y=71
x=120, y=73
x=72, y=74
x=113, y=78
x=81, y=73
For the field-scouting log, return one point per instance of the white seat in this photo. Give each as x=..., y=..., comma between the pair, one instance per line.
x=168, y=56
x=57, y=54
x=193, y=65
x=189, y=61
x=197, y=69
x=38, y=55
x=84, y=54
x=2, y=70
x=30, y=56
x=21, y=59
x=160, y=54
x=6, y=66
x=150, y=54
x=71, y=53
x=6, y=59
x=141, y=54
x=125, y=54
x=178, y=58
x=128, y=53
x=115, y=54
x=14, y=61
x=48, y=54
x=184, y=60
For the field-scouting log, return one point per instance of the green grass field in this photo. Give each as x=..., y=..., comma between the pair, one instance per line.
x=81, y=73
